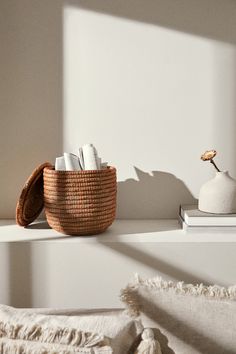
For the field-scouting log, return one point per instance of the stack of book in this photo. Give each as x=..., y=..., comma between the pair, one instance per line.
x=192, y=219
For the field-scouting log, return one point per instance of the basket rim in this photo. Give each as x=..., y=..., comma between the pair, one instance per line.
x=51, y=170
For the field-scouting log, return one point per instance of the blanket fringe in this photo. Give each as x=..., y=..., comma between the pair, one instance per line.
x=67, y=336
x=18, y=346
x=129, y=295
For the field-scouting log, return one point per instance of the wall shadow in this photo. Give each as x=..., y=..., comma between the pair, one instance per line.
x=225, y=111
x=135, y=226
x=213, y=19
x=5, y=222
x=31, y=88
x=31, y=92
x=153, y=196
x=20, y=274
x=159, y=265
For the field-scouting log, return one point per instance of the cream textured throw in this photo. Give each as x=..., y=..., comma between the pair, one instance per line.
x=186, y=318
x=101, y=332
x=22, y=332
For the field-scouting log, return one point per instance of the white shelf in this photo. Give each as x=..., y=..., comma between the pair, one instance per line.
x=120, y=231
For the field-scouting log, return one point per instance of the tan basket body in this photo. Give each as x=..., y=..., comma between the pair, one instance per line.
x=80, y=202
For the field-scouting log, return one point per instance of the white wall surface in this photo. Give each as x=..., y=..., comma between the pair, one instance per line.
x=60, y=274
x=150, y=83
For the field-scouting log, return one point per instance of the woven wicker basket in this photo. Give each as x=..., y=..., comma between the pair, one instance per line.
x=80, y=202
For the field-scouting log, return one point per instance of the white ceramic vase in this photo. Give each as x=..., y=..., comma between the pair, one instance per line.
x=218, y=195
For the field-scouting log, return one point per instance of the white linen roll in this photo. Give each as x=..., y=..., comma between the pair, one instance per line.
x=60, y=164
x=81, y=158
x=90, y=157
x=71, y=162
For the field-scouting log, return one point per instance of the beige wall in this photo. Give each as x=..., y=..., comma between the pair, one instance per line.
x=30, y=92
x=151, y=83
x=89, y=275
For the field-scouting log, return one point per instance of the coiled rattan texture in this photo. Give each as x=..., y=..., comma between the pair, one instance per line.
x=80, y=202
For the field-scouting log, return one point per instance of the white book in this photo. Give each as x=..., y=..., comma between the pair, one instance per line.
x=206, y=229
x=192, y=216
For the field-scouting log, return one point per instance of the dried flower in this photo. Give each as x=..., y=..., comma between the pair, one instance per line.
x=208, y=156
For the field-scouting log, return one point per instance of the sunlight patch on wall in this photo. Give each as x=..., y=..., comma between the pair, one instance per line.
x=147, y=96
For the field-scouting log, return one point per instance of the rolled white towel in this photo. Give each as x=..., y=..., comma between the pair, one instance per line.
x=71, y=162
x=60, y=164
x=90, y=157
x=104, y=165
x=99, y=163
x=81, y=158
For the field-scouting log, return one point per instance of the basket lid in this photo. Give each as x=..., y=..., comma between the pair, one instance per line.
x=31, y=202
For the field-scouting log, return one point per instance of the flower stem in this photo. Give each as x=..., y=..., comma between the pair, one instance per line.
x=213, y=163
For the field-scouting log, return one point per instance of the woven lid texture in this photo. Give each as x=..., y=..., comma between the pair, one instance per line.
x=31, y=201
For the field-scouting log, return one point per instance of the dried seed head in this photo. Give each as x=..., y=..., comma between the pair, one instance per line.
x=208, y=155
